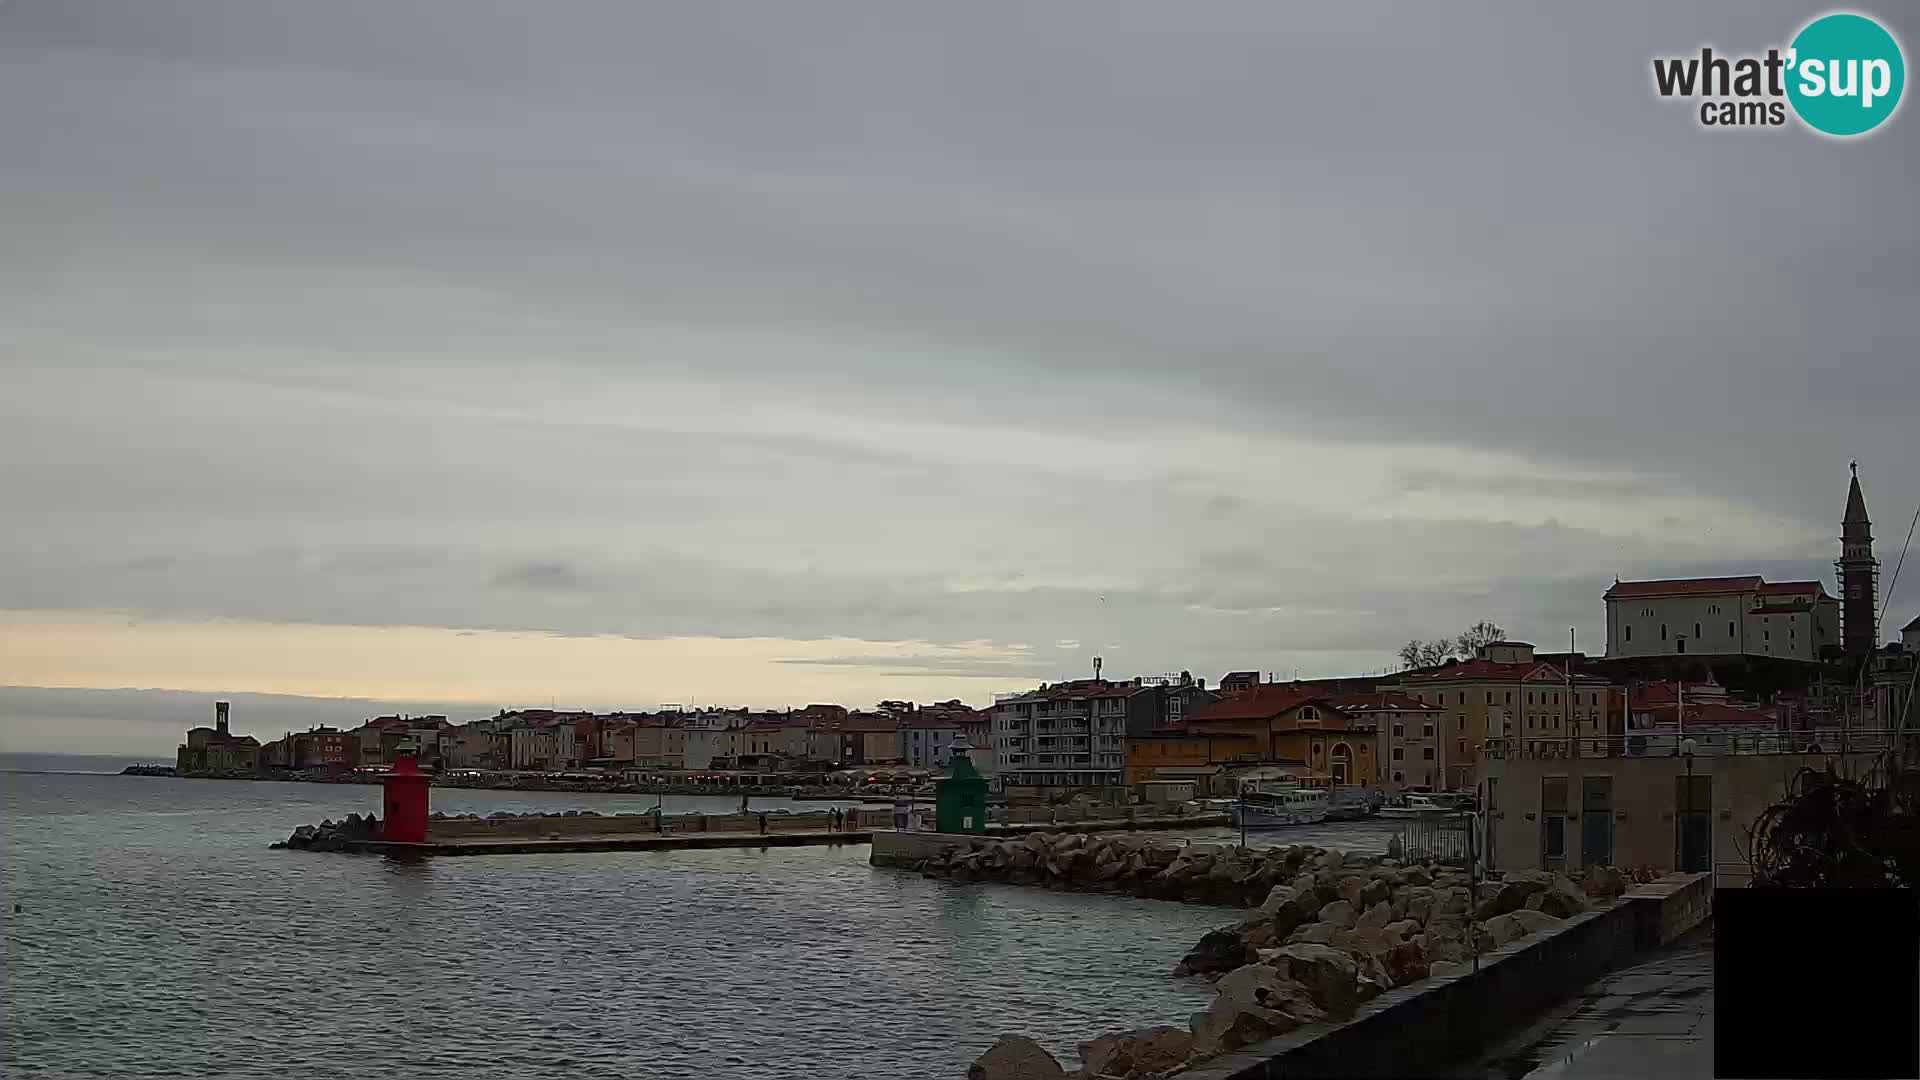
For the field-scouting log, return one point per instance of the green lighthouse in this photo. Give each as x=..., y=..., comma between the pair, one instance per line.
x=960, y=797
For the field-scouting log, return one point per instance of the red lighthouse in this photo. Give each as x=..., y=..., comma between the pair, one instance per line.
x=405, y=820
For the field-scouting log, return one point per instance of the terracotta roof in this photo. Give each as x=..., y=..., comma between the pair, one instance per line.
x=1380, y=701
x=868, y=722
x=1261, y=702
x=1489, y=671
x=1790, y=588
x=1078, y=688
x=937, y=722
x=1685, y=586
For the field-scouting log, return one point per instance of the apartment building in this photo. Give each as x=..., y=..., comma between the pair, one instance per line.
x=1062, y=735
x=1505, y=693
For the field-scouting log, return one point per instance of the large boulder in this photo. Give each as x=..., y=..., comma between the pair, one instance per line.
x=1561, y=899
x=1316, y=933
x=1401, y=930
x=1454, y=900
x=1505, y=928
x=1605, y=881
x=1374, y=918
x=1253, y=1003
x=1351, y=887
x=1377, y=891
x=1406, y=962
x=1217, y=950
x=1501, y=897
x=1339, y=913
x=1329, y=975
x=1136, y=1055
x=1532, y=922
x=1416, y=875
x=1015, y=1057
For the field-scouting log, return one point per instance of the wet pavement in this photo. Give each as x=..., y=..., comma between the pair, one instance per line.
x=1646, y=1022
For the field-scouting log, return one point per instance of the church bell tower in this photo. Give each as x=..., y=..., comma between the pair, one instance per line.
x=1859, y=574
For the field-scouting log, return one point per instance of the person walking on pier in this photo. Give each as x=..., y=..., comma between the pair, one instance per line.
x=763, y=823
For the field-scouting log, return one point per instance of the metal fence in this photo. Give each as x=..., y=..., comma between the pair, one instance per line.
x=1438, y=837
x=1703, y=742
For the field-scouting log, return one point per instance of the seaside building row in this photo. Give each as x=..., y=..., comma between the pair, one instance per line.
x=1555, y=746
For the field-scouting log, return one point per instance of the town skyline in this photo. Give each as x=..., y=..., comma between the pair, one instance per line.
x=507, y=357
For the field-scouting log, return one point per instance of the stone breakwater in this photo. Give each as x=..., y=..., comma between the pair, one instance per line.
x=332, y=835
x=1331, y=930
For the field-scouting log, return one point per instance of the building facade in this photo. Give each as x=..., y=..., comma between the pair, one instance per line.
x=1294, y=726
x=1062, y=735
x=1506, y=693
x=1728, y=616
x=1406, y=736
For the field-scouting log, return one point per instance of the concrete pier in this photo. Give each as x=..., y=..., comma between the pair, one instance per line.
x=533, y=845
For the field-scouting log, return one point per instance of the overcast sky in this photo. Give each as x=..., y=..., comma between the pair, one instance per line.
x=624, y=353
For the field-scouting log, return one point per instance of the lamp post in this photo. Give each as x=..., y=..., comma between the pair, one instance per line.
x=1683, y=809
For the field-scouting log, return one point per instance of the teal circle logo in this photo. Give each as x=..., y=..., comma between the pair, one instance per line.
x=1845, y=74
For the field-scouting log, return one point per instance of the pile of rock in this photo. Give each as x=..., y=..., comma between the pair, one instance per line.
x=1198, y=873
x=1339, y=930
x=331, y=835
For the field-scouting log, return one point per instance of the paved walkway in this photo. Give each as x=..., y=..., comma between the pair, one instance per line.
x=1647, y=1022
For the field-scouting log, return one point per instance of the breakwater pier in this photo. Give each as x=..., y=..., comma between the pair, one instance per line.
x=568, y=831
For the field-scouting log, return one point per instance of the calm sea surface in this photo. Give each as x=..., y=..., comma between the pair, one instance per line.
x=159, y=937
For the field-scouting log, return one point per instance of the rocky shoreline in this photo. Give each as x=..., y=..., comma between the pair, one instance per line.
x=1330, y=930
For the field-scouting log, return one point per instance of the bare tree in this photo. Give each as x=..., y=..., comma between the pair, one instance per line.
x=1423, y=654
x=1480, y=634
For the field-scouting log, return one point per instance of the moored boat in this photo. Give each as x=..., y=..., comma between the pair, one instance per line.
x=1277, y=806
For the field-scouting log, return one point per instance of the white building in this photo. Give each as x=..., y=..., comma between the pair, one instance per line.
x=1064, y=735
x=1727, y=616
x=921, y=740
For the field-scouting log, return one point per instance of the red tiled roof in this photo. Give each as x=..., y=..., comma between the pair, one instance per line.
x=1261, y=702
x=1380, y=701
x=1489, y=671
x=1685, y=586
x=922, y=721
x=1790, y=588
x=868, y=722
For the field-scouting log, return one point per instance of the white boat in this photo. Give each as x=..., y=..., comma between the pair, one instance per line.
x=1417, y=805
x=1276, y=806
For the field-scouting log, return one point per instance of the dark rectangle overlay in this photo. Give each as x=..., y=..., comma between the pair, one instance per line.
x=1816, y=983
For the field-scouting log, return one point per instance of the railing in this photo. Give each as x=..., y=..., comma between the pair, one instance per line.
x=1437, y=837
x=1702, y=743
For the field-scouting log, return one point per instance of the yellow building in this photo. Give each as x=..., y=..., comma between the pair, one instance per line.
x=1506, y=693
x=1292, y=724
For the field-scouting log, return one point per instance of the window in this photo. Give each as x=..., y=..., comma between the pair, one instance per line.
x=1309, y=713
x=1399, y=730
x=1398, y=777
x=1529, y=699
x=1663, y=631
x=1399, y=753
x=1463, y=697
x=1509, y=697
x=1463, y=748
x=1556, y=699
x=1629, y=633
x=1729, y=629
x=1489, y=697
x=1766, y=635
x=1696, y=630
x=1428, y=732
x=1427, y=753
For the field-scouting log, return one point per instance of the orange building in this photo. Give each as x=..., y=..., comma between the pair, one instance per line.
x=1289, y=724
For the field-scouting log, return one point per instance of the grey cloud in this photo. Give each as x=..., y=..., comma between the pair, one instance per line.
x=541, y=576
x=308, y=298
